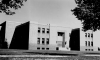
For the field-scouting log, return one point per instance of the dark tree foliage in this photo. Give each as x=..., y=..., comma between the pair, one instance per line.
x=88, y=12
x=7, y=5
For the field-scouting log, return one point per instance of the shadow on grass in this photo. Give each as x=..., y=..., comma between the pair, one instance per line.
x=61, y=54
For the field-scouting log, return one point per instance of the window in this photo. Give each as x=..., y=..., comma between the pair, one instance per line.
x=48, y=30
x=86, y=43
x=43, y=41
x=92, y=35
x=47, y=42
x=91, y=43
x=47, y=48
x=85, y=34
x=43, y=48
x=57, y=48
x=39, y=29
x=91, y=49
x=43, y=30
x=65, y=42
x=98, y=48
x=88, y=34
x=38, y=40
x=60, y=33
x=38, y=48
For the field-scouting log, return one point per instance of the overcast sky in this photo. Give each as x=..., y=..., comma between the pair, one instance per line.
x=46, y=11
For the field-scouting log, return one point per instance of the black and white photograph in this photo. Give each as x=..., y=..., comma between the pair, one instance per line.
x=49, y=29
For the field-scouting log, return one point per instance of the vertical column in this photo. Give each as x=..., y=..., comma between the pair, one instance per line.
x=63, y=42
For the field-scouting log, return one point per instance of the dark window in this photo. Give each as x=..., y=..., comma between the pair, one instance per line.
x=38, y=48
x=91, y=49
x=47, y=48
x=85, y=49
x=48, y=30
x=60, y=33
x=88, y=34
x=43, y=30
x=92, y=35
x=86, y=43
x=43, y=41
x=39, y=29
x=65, y=42
x=43, y=48
x=98, y=49
x=47, y=42
x=85, y=34
x=57, y=48
x=38, y=40
x=91, y=43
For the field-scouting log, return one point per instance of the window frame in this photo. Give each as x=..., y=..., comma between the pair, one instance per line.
x=38, y=48
x=39, y=30
x=88, y=34
x=38, y=40
x=48, y=30
x=47, y=41
x=91, y=35
x=43, y=41
x=43, y=30
x=85, y=34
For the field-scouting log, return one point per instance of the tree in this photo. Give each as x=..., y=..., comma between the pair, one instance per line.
x=7, y=5
x=88, y=12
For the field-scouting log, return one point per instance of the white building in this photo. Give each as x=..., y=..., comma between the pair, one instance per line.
x=41, y=36
x=89, y=40
x=48, y=37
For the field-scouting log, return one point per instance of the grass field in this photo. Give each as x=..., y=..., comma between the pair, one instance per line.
x=47, y=55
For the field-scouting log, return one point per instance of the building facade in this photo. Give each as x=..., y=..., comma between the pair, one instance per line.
x=84, y=41
x=36, y=36
x=48, y=37
x=20, y=38
x=3, y=41
x=75, y=39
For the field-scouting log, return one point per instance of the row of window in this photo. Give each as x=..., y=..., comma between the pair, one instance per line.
x=44, y=41
x=88, y=49
x=89, y=43
x=89, y=35
x=38, y=48
x=43, y=30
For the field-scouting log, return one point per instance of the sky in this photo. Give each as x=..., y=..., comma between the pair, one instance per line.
x=55, y=12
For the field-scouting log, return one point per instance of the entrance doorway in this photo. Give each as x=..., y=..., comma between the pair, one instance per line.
x=61, y=39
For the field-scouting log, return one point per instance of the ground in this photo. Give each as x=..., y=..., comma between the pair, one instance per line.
x=45, y=55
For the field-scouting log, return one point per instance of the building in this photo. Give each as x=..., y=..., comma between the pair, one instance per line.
x=84, y=41
x=9, y=31
x=20, y=38
x=3, y=41
x=48, y=37
x=36, y=36
x=59, y=36
x=75, y=39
